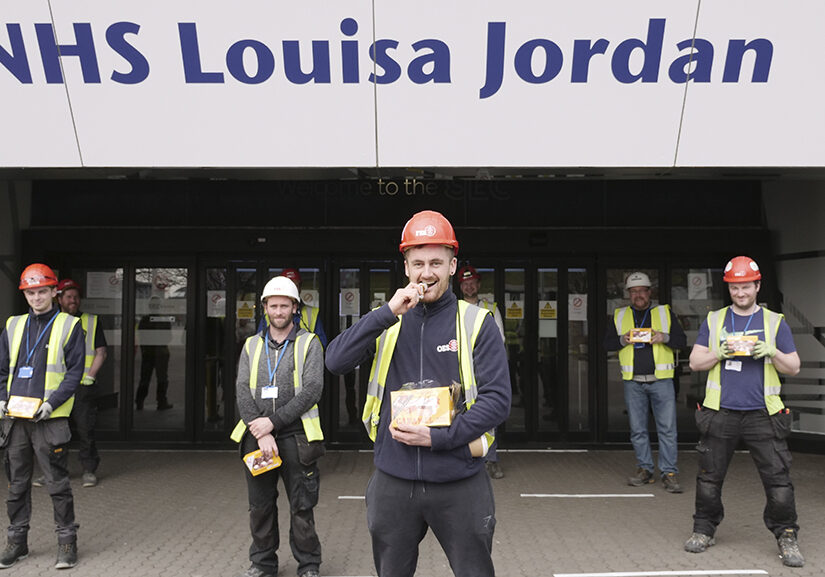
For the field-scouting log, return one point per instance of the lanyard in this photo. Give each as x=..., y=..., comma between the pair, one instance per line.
x=733, y=326
x=278, y=359
x=31, y=350
x=644, y=318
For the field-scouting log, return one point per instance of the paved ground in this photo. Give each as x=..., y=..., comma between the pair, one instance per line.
x=184, y=514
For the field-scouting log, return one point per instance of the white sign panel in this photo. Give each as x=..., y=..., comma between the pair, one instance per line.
x=104, y=285
x=577, y=307
x=357, y=83
x=350, y=302
x=216, y=304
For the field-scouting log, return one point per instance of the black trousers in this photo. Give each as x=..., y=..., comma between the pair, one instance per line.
x=461, y=515
x=302, y=486
x=84, y=416
x=153, y=358
x=765, y=437
x=48, y=443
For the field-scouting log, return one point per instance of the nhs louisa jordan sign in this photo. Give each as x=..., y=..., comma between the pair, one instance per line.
x=426, y=83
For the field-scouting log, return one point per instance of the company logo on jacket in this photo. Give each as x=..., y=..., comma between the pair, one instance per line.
x=451, y=347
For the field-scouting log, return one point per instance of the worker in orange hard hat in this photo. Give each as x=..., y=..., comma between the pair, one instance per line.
x=469, y=283
x=41, y=364
x=744, y=347
x=84, y=413
x=425, y=337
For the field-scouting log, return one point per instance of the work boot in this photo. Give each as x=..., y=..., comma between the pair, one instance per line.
x=789, y=549
x=310, y=573
x=671, y=483
x=494, y=469
x=66, y=555
x=39, y=481
x=699, y=543
x=13, y=553
x=643, y=477
x=255, y=572
x=164, y=406
x=89, y=479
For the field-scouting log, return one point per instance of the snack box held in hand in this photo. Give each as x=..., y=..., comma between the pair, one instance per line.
x=22, y=407
x=640, y=335
x=742, y=345
x=432, y=407
x=256, y=463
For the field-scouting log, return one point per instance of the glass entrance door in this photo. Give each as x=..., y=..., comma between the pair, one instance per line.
x=160, y=384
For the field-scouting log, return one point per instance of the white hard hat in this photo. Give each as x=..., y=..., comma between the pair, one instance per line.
x=637, y=279
x=280, y=286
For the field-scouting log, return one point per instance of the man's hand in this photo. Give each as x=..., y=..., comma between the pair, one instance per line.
x=87, y=380
x=260, y=427
x=762, y=349
x=268, y=446
x=657, y=337
x=43, y=412
x=724, y=351
x=405, y=299
x=3, y=409
x=414, y=435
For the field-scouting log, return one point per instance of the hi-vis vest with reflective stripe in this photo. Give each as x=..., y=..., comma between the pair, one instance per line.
x=468, y=324
x=55, y=357
x=713, y=387
x=663, y=357
x=89, y=323
x=311, y=419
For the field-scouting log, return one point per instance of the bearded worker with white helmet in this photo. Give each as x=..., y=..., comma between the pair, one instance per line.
x=428, y=478
x=744, y=347
x=280, y=381
x=648, y=364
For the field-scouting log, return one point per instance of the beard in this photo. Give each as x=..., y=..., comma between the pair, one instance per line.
x=280, y=323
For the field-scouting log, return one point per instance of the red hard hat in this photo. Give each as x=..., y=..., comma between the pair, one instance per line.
x=67, y=284
x=37, y=275
x=742, y=269
x=292, y=274
x=468, y=273
x=428, y=227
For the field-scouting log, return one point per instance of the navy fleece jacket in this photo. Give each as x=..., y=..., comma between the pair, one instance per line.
x=416, y=357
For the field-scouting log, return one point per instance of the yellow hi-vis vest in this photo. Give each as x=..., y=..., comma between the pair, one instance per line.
x=469, y=319
x=89, y=324
x=713, y=387
x=55, y=357
x=663, y=358
x=311, y=419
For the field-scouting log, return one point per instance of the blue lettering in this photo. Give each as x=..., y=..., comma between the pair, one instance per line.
x=349, y=52
x=115, y=37
x=701, y=60
x=16, y=62
x=51, y=53
x=496, y=32
x=190, y=52
x=320, y=62
x=763, y=49
x=583, y=51
x=652, y=50
x=265, y=59
x=553, y=60
x=439, y=58
x=378, y=54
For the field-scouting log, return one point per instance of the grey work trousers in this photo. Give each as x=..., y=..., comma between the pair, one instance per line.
x=48, y=443
x=460, y=513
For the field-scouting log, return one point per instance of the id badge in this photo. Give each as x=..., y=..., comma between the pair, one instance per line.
x=25, y=372
x=270, y=392
x=731, y=365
